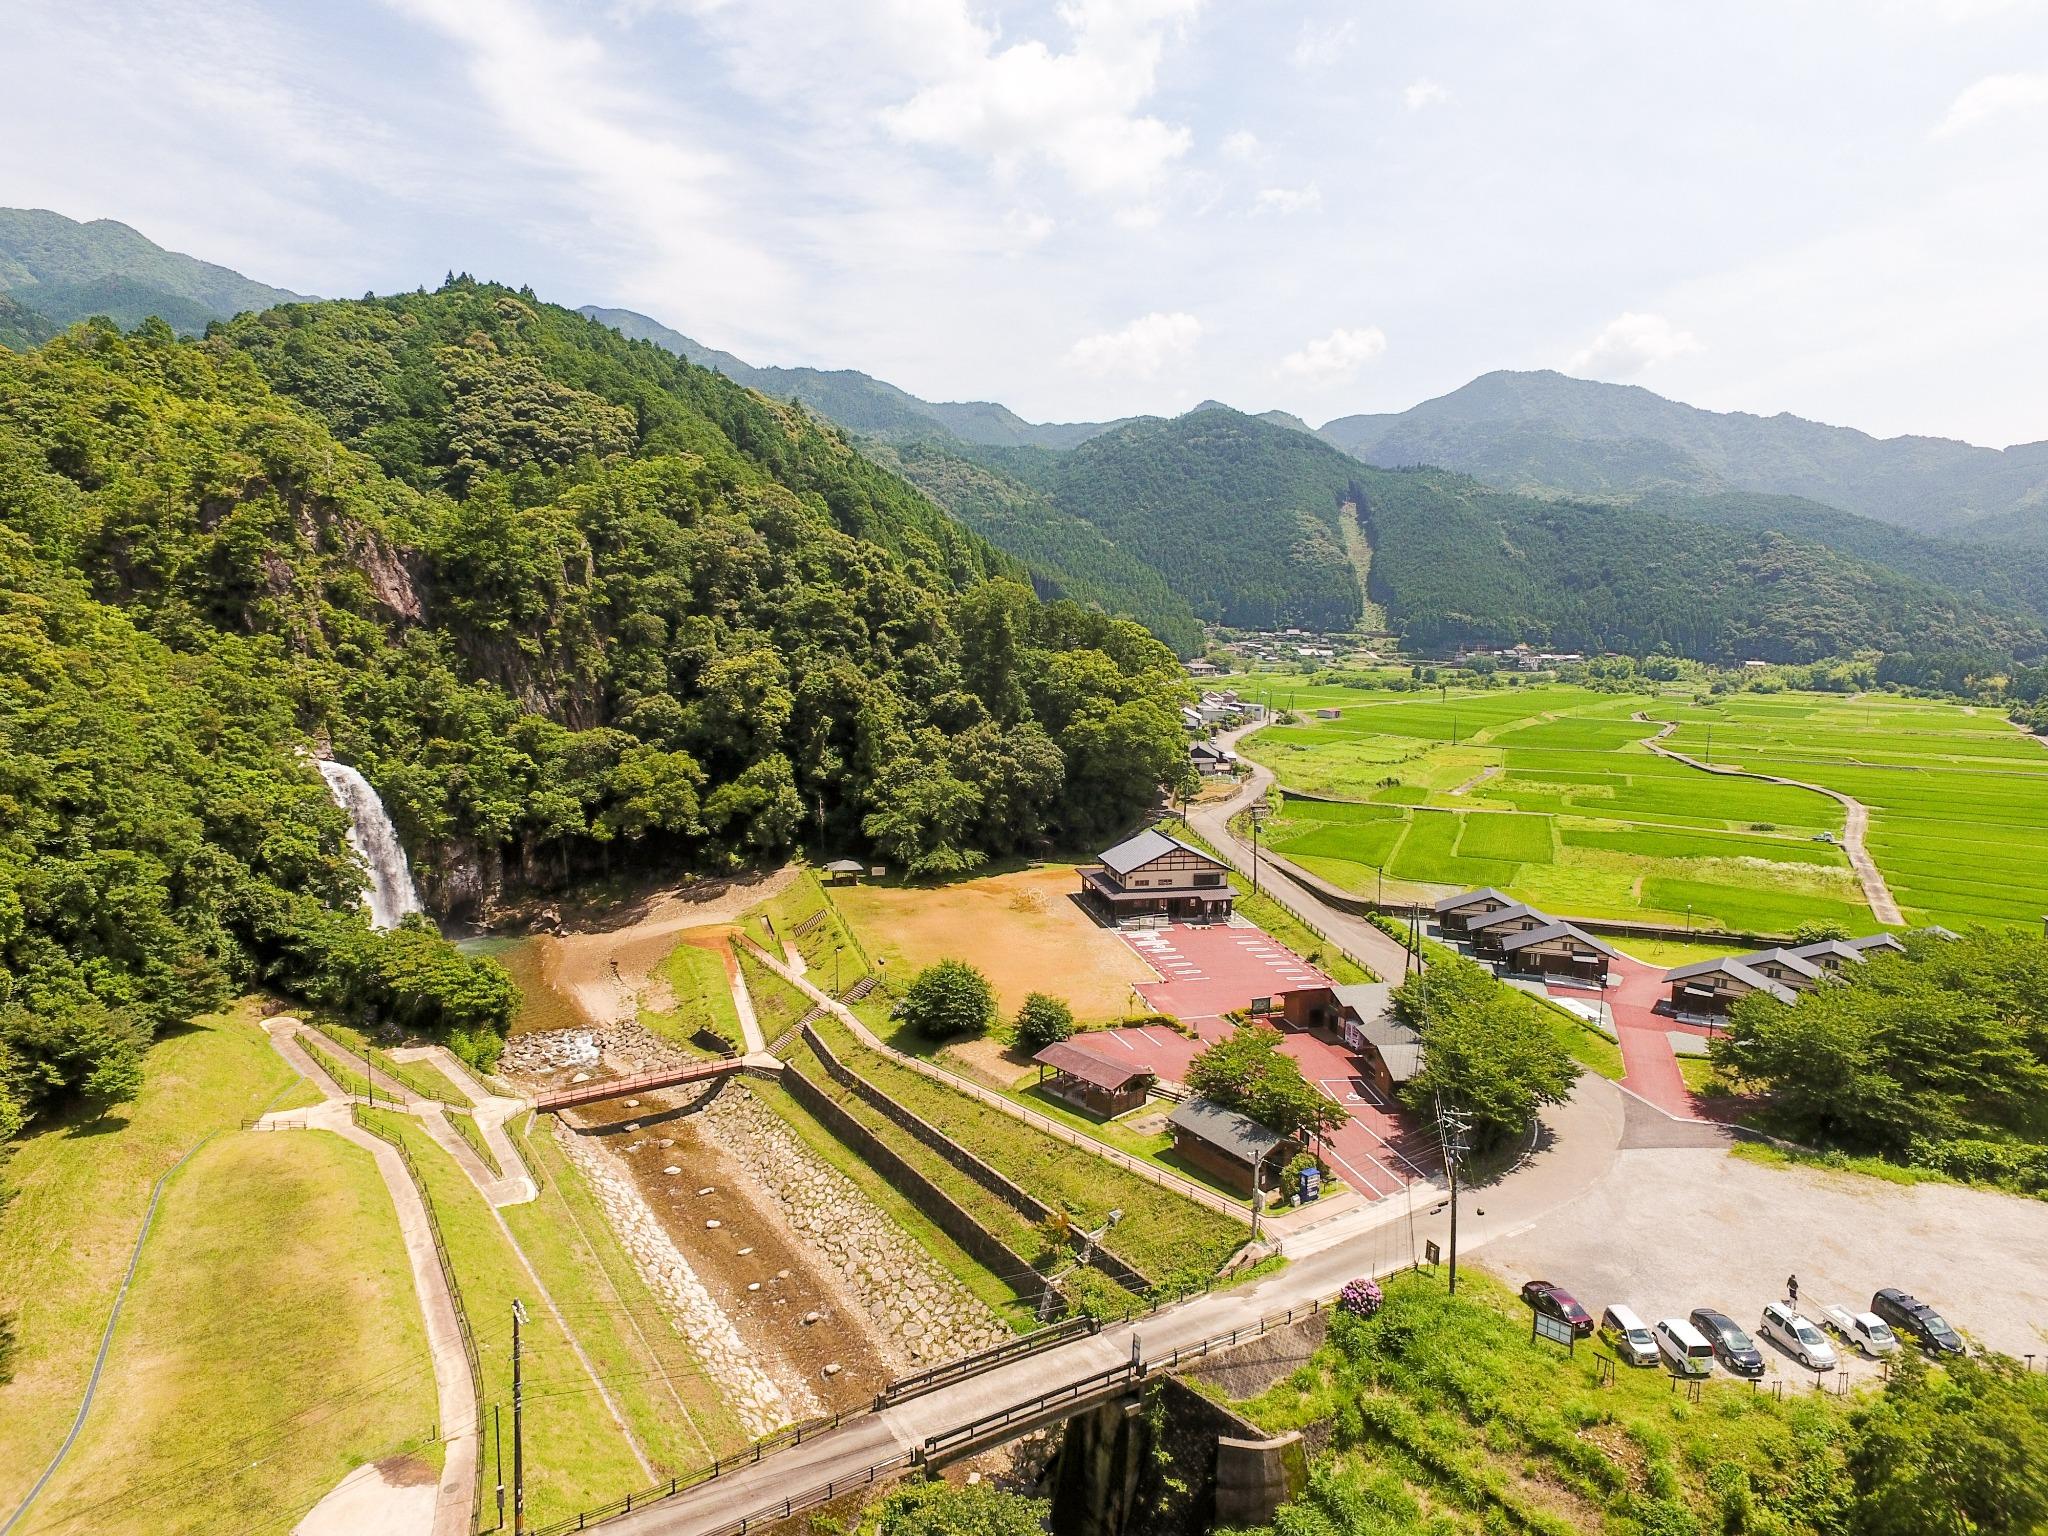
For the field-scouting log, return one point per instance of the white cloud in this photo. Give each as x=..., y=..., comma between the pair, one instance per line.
x=1630, y=343
x=1318, y=47
x=1424, y=92
x=1241, y=146
x=1141, y=349
x=1336, y=357
x=1992, y=97
x=1079, y=110
x=1027, y=226
x=1288, y=199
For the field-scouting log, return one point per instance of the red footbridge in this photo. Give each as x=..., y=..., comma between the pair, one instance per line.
x=625, y=1087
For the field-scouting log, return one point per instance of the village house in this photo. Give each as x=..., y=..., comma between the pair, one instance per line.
x=1455, y=914
x=1230, y=1145
x=1211, y=760
x=1490, y=933
x=1388, y=1050
x=1712, y=987
x=1558, y=949
x=1156, y=876
x=1090, y=1082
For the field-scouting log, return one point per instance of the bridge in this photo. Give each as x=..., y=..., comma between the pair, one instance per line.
x=597, y=1092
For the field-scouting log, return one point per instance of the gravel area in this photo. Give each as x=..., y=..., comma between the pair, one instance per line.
x=1673, y=1228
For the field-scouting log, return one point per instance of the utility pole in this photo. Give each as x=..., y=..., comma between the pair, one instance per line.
x=1259, y=814
x=498, y=1459
x=1453, y=1127
x=369, y=1081
x=519, y=1427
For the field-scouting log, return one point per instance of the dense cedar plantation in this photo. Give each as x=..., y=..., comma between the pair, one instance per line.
x=1458, y=564
x=1938, y=1058
x=1066, y=555
x=1242, y=518
x=566, y=600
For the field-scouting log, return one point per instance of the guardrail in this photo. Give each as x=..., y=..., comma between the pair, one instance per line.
x=811, y=1498
x=944, y=1375
x=1116, y=1378
x=646, y=1082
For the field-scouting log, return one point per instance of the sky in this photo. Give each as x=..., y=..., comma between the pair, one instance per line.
x=1098, y=208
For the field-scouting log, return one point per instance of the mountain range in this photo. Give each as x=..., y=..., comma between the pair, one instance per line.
x=1747, y=536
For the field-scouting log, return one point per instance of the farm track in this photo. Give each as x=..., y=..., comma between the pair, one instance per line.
x=1882, y=904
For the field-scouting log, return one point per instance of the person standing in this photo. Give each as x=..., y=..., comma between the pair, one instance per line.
x=1792, y=1289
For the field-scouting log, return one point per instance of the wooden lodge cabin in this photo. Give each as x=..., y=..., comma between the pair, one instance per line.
x=1456, y=914
x=1712, y=987
x=1156, y=876
x=1092, y=1083
x=1230, y=1145
x=1558, y=949
x=1489, y=933
x=1388, y=1050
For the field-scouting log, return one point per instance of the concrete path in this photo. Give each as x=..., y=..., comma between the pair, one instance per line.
x=743, y=1004
x=1857, y=821
x=1291, y=887
x=516, y=1185
x=1579, y=1143
x=456, y=1397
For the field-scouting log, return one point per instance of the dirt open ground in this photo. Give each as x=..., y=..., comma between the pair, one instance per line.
x=1024, y=930
x=1673, y=1228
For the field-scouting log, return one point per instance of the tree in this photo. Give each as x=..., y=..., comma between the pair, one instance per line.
x=948, y=998
x=1951, y=1454
x=1819, y=931
x=1487, y=1050
x=1247, y=1071
x=1043, y=1020
x=978, y=1509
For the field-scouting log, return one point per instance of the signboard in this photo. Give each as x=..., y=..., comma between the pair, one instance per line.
x=1555, y=1329
x=1311, y=1184
x=1431, y=1252
x=1262, y=1005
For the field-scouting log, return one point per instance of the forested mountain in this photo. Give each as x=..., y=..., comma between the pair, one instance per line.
x=21, y=327
x=1545, y=432
x=859, y=402
x=1244, y=519
x=1066, y=556
x=1457, y=563
x=568, y=601
x=63, y=271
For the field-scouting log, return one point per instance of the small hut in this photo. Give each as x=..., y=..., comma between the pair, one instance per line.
x=844, y=870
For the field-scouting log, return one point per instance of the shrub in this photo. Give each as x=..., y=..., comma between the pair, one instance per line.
x=1043, y=1020
x=948, y=998
x=1361, y=1297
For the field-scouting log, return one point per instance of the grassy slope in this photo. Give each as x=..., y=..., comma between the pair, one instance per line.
x=702, y=998
x=82, y=1188
x=1447, y=1406
x=272, y=1342
x=575, y=1456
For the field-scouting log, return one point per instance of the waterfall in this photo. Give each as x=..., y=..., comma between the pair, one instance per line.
x=389, y=892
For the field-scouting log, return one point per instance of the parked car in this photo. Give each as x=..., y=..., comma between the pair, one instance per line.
x=1917, y=1321
x=1555, y=1301
x=1861, y=1330
x=1732, y=1347
x=1683, y=1349
x=1797, y=1336
x=1628, y=1335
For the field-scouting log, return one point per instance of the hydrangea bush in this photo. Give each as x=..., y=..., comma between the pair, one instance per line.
x=1361, y=1297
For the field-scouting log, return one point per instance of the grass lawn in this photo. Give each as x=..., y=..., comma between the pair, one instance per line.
x=272, y=1341
x=674, y=1408
x=699, y=992
x=575, y=1455
x=1586, y=1045
x=330, y=1058
x=1449, y=1418
x=467, y=1128
x=421, y=1078
x=81, y=1187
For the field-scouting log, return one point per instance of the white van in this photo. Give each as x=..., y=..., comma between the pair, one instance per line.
x=1628, y=1336
x=1683, y=1349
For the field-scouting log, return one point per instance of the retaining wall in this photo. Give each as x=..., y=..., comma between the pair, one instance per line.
x=995, y=1182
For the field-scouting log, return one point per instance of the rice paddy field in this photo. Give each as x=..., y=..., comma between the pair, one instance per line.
x=1550, y=793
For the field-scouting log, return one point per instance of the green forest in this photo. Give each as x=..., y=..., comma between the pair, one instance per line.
x=570, y=603
x=1458, y=564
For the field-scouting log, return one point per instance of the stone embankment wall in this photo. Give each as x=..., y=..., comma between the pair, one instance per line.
x=759, y=1402
x=995, y=1182
x=911, y=1297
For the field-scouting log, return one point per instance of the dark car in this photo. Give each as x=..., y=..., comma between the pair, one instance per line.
x=1732, y=1347
x=1555, y=1301
x=1916, y=1320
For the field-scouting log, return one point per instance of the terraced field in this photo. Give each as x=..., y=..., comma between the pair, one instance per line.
x=1549, y=793
x=1958, y=798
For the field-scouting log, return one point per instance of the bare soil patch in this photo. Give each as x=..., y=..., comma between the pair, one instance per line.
x=1024, y=930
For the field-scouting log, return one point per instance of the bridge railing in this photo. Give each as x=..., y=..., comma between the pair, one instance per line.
x=966, y=1434
x=619, y=1087
x=945, y=1374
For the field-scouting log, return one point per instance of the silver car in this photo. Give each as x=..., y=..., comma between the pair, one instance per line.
x=1864, y=1330
x=1797, y=1336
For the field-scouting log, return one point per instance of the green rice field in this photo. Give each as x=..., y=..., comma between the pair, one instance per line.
x=1549, y=792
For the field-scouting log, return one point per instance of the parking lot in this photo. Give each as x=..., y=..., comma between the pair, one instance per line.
x=1669, y=1229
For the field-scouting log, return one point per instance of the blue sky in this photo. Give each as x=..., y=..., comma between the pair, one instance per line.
x=1110, y=206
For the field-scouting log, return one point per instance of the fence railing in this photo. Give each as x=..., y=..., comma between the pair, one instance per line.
x=644, y=1082
x=468, y=1336
x=944, y=1375
x=1114, y=1379
x=811, y=1498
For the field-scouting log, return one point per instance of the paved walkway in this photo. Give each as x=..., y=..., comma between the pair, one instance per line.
x=1648, y=1060
x=1882, y=904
